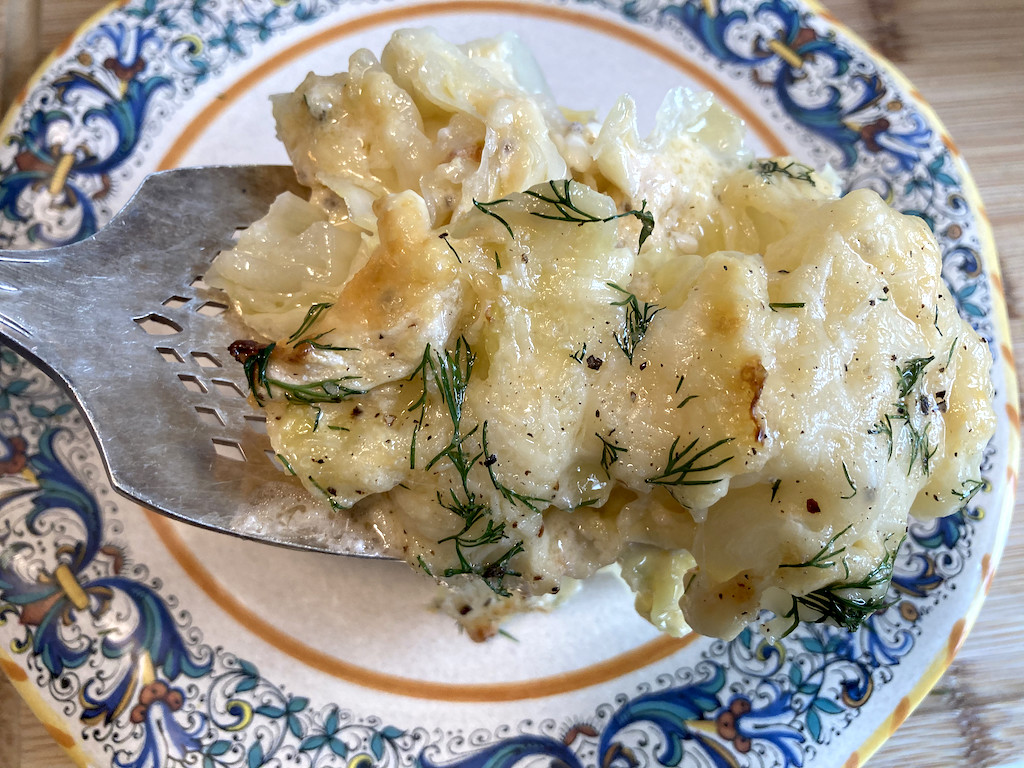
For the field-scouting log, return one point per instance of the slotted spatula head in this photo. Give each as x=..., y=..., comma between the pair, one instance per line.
x=126, y=323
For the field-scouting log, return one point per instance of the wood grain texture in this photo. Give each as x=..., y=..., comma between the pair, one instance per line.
x=967, y=59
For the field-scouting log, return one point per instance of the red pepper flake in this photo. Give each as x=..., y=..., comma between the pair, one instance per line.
x=812, y=507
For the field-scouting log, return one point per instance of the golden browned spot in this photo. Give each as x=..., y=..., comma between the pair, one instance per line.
x=296, y=354
x=63, y=738
x=243, y=349
x=726, y=322
x=13, y=671
x=956, y=639
x=753, y=375
x=853, y=762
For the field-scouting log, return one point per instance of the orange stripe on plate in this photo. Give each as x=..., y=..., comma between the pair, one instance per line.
x=671, y=56
x=987, y=572
x=62, y=737
x=1011, y=411
x=1005, y=349
x=13, y=671
x=957, y=635
x=950, y=144
x=901, y=713
x=601, y=672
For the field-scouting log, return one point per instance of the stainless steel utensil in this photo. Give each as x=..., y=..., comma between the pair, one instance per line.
x=126, y=323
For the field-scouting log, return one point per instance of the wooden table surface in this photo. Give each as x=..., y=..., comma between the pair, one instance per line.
x=967, y=58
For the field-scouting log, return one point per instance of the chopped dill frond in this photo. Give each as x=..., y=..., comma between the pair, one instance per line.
x=793, y=170
x=638, y=320
x=681, y=465
x=853, y=487
x=609, y=453
x=842, y=602
x=262, y=385
x=822, y=559
x=311, y=317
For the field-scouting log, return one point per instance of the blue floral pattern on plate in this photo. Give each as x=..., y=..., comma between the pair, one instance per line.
x=104, y=638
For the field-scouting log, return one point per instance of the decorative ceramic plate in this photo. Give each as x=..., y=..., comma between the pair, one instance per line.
x=146, y=643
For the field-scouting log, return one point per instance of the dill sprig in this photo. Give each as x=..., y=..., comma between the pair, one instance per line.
x=853, y=487
x=842, y=602
x=793, y=170
x=561, y=200
x=315, y=343
x=507, y=493
x=884, y=427
x=335, y=504
x=286, y=464
x=682, y=464
x=908, y=377
x=920, y=447
x=580, y=355
x=970, y=490
x=312, y=315
x=638, y=320
x=775, y=306
x=911, y=373
x=444, y=236
x=472, y=512
x=262, y=385
x=952, y=349
x=609, y=453
x=493, y=573
x=486, y=209
x=450, y=372
x=421, y=402
x=825, y=556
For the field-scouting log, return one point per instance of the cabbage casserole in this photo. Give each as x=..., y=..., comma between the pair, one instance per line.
x=520, y=345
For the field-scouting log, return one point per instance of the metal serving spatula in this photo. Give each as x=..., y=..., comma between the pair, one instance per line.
x=126, y=323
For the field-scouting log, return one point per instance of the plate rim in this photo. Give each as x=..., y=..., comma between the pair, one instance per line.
x=998, y=313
